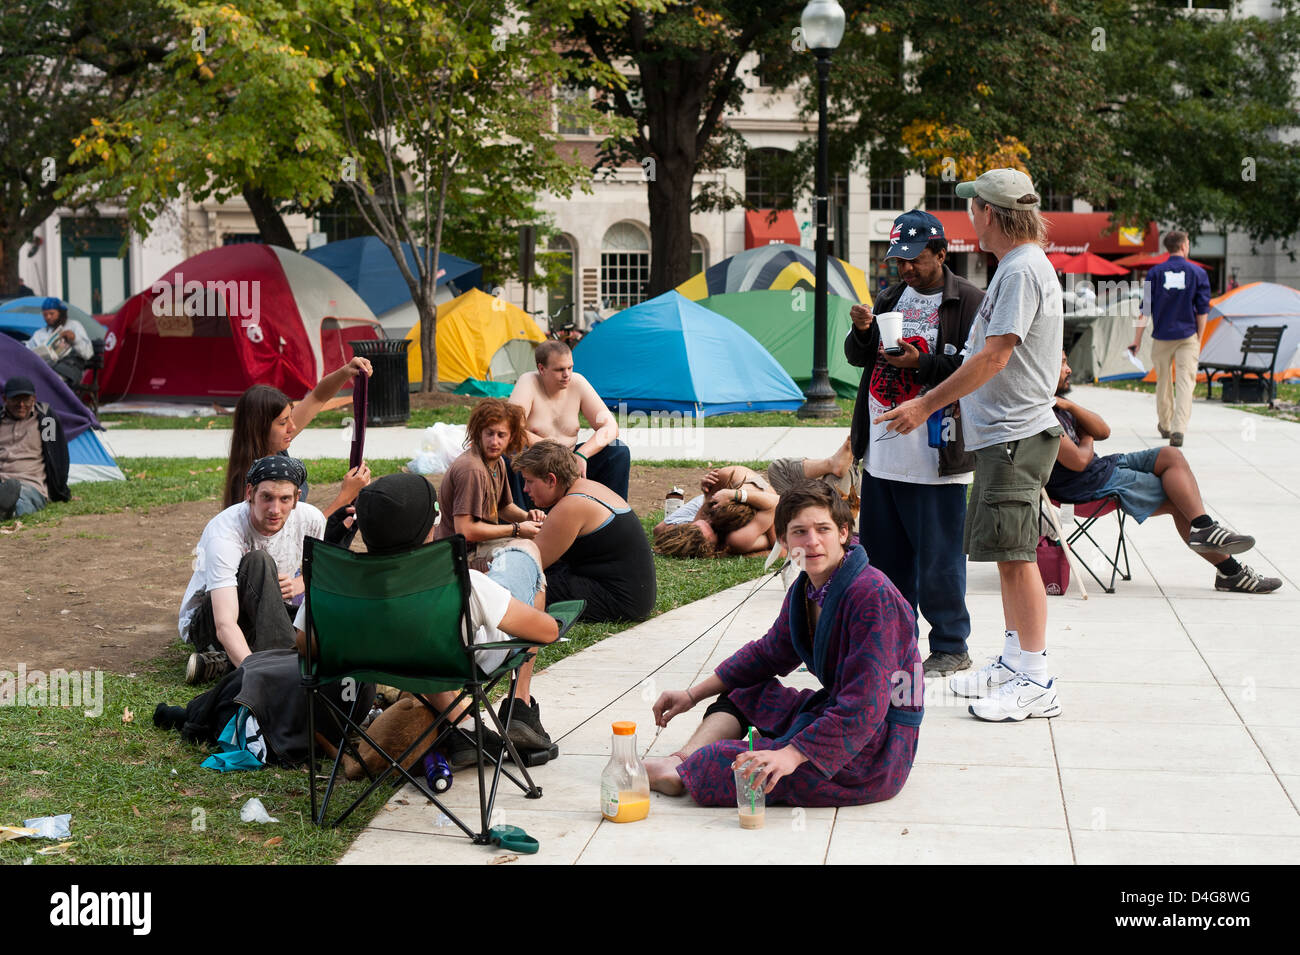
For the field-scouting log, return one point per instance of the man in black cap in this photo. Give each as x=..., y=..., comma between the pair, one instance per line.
x=396, y=513
x=914, y=492
x=33, y=452
x=247, y=581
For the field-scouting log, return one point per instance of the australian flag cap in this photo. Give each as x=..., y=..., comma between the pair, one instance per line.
x=911, y=231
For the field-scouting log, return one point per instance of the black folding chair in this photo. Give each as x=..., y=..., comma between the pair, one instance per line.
x=403, y=620
x=1259, y=340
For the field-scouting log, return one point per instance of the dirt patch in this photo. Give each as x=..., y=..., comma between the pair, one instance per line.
x=104, y=590
x=421, y=400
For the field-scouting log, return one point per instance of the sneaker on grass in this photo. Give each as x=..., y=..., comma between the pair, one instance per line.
x=982, y=682
x=1219, y=540
x=1246, y=581
x=1018, y=699
x=206, y=666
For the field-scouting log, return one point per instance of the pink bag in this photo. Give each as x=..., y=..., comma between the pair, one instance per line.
x=1053, y=567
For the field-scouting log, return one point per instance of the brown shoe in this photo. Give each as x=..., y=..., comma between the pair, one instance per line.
x=1176, y=439
x=1164, y=432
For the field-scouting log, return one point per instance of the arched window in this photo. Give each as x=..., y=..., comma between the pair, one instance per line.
x=699, y=255
x=624, y=265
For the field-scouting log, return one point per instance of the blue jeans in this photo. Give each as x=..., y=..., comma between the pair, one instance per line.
x=30, y=500
x=912, y=533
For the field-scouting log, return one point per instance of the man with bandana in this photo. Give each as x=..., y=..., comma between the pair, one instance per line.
x=247, y=580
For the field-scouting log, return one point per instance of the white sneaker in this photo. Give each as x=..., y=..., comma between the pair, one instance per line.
x=981, y=682
x=1017, y=699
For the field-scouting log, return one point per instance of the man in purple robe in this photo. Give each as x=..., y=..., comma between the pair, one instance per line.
x=851, y=742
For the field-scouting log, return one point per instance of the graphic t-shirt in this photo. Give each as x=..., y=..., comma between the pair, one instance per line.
x=905, y=457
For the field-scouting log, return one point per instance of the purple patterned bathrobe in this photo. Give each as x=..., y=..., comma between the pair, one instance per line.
x=859, y=747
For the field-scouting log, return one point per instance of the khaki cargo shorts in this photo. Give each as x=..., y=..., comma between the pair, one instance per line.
x=1002, y=511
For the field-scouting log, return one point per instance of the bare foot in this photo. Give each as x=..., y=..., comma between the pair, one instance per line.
x=841, y=460
x=663, y=775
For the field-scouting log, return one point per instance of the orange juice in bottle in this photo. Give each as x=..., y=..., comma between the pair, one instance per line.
x=624, y=785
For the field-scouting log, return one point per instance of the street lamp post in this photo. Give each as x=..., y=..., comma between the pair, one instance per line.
x=823, y=28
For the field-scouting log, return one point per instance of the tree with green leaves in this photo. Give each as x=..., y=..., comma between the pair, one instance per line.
x=62, y=62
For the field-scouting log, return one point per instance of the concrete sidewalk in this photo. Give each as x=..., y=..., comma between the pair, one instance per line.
x=1179, y=741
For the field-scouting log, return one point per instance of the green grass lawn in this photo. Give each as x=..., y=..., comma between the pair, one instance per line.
x=1287, y=392
x=457, y=414
x=138, y=795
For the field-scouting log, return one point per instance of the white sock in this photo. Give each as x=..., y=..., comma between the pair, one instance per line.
x=1011, y=650
x=1033, y=664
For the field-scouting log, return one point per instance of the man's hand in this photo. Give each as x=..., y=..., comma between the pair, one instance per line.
x=906, y=418
x=69, y=335
x=290, y=587
x=529, y=529
x=862, y=317
x=709, y=483
x=582, y=465
x=671, y=703
x=909, y=359
x=769, y=765
x=537, y=515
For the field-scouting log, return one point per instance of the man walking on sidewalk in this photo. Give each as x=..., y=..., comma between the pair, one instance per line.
x=1176, y=295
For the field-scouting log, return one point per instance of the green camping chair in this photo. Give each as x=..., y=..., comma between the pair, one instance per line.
x=403, y=620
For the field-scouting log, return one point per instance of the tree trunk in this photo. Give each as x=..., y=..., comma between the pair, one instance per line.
x=428, y=345
x=673, y=94
x=669, y=195
x=269, y=221
x=11, y=245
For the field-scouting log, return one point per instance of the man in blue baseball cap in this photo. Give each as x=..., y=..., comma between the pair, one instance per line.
x=63, y=342
x=914, y=493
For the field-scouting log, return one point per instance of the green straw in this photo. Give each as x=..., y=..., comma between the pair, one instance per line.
x=750, y=783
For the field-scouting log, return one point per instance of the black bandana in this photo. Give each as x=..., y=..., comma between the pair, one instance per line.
x=276, y=467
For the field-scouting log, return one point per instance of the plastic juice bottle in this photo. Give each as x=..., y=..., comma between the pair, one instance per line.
x=624, y=786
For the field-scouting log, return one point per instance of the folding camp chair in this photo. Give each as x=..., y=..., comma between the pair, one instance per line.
x=403, y=620
x=1086, y=516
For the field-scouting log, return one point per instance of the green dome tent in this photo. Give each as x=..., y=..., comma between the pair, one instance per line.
x=782, y=322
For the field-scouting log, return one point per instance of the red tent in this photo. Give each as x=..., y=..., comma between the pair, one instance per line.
x=232, y=317
x=1086, y=263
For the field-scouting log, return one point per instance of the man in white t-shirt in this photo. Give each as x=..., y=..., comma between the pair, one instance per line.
x=913, y=493
x=248, y=571
x=1007, y=387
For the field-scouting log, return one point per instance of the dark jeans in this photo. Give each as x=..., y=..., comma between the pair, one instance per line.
x=912, y=533
x=71, y=368
x=264, y=618
x=610, y=466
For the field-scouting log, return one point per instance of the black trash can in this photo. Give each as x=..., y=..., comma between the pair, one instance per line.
x=388, y=398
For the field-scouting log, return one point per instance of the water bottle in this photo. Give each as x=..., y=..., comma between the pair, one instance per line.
x=437, y=772
x=934, y=429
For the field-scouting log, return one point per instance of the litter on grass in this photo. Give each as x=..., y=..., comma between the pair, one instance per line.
x=254, y=811
x=50, y=827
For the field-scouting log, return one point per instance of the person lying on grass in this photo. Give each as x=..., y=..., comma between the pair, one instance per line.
x=851, y=742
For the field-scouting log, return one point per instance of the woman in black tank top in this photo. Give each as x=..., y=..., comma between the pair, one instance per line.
x=593, y=546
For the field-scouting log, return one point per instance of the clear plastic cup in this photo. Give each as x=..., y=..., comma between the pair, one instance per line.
x=751, y=802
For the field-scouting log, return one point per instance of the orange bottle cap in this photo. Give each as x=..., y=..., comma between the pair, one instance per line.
x=624, y=728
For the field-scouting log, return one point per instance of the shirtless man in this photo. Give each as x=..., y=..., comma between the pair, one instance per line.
x=552, y=398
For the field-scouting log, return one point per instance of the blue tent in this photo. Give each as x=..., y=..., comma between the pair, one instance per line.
x=88, y=459
x=670, y=354
x=366, y=264
x=20, y=317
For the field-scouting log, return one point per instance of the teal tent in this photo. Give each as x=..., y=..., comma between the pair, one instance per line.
x=671, y=354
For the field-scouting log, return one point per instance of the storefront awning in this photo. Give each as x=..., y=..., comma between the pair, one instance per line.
x=770, y=226
x=958, y=230
x=1075, y=232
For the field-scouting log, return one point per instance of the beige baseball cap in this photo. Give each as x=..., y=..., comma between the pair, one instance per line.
x=1008, y=188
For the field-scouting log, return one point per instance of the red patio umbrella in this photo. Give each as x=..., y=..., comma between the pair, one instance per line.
x=1145, y=260
x=1058, y=259
x=1086, y=263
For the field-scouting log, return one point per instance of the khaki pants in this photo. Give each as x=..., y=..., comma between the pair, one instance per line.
x=1174, y=387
